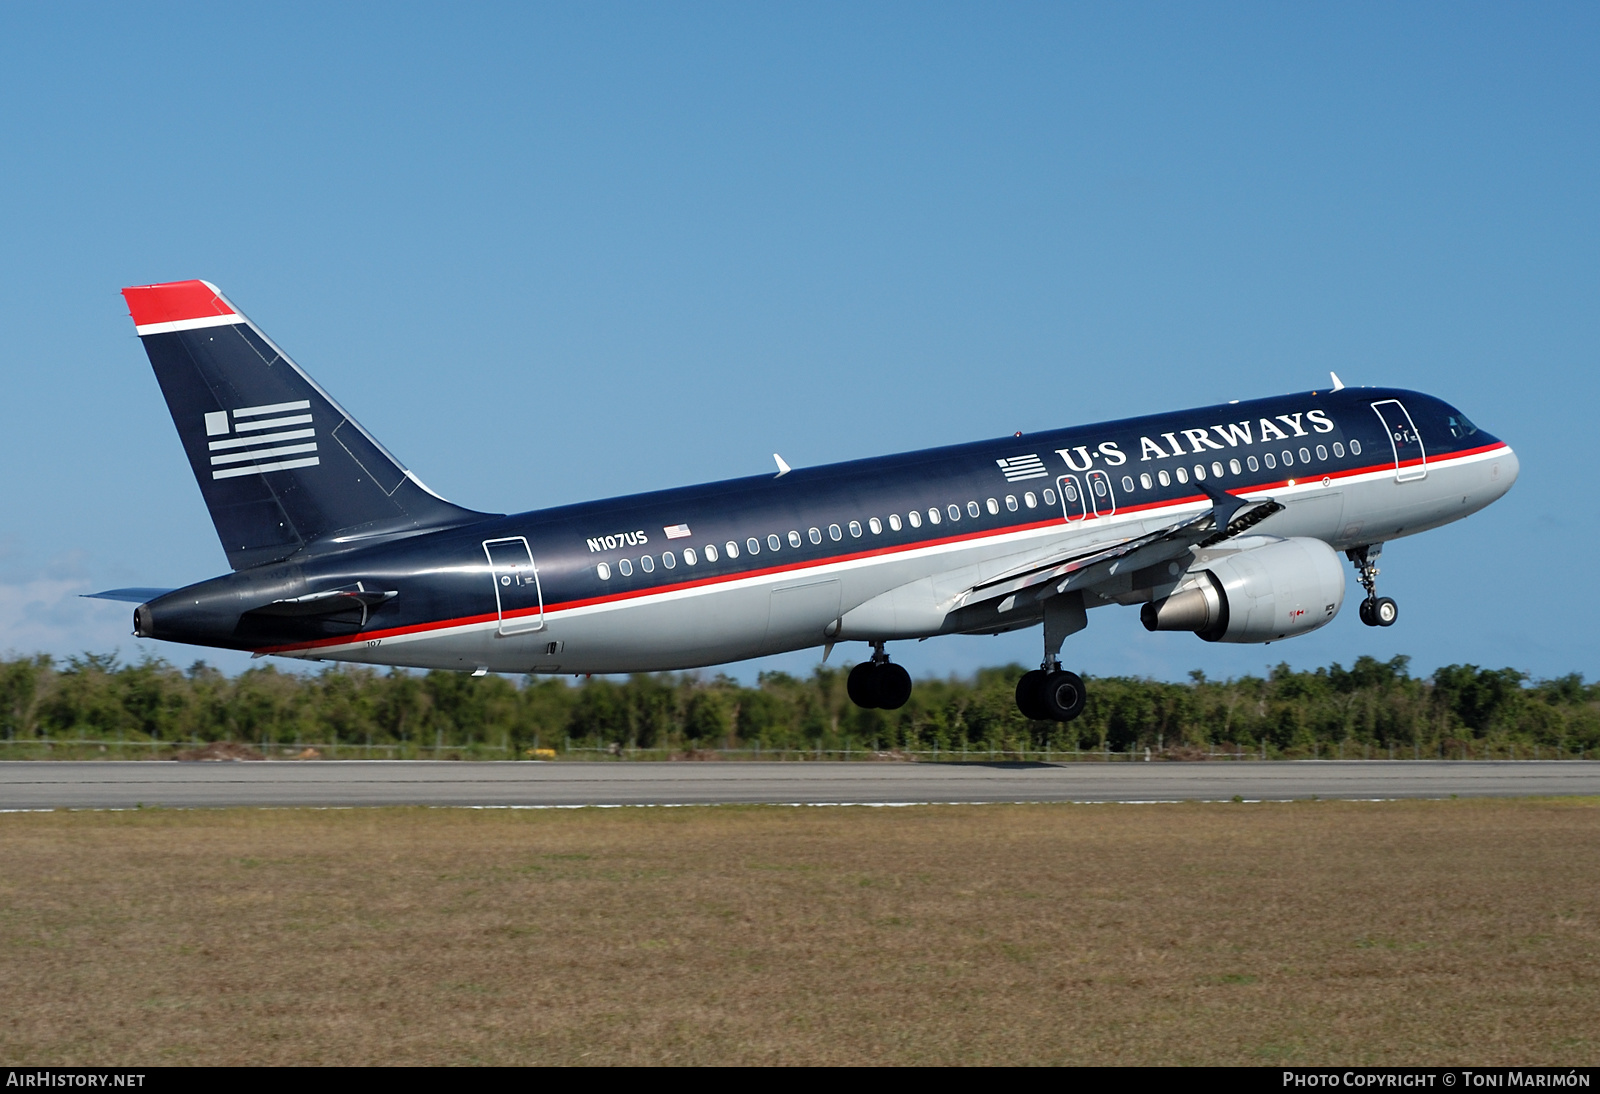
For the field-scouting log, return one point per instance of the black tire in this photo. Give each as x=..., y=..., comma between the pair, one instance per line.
x=1385, y=611
x=893, y=686
x=862, y=685
x=1366, y=613
x=1064, y=695
x=1030, y=696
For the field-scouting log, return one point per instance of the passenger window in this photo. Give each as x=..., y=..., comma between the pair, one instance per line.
x=915, y=518
x=732, y=548
x=894, y=522
x=1029, y=500
x=711, y=553
x=1166, y=479
x=1355, y=448
x=1011, y=502
x=1287, y=457
x=1144, y=480
x=972, y=509
x=933, y=516
x=1305, y=455
x=1233, y=465
x=1100, y=488
x=1127, y=483
x=794, y=538
x=1271, y=461
x=647, y=564
x=1338, y=449
x=689, y=558
x=1199, y=472
x=1049, y=496
x=834, y=533
x=774, y=543
x=954, y=511
x=604, y=571
x=876, y=525
x=624, y=567
x=1322, y=452
x=1250, y=462
x=1182, y=473
x=816, y=536
x=855, y=529
x=1216, y=468
x=993, y=507
x=669, y=560
x=753, y=545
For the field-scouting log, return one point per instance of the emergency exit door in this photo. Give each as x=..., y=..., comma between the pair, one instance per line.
x=517, y=596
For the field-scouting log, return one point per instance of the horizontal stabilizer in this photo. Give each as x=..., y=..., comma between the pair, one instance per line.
x=132, y=596
x=330, y=602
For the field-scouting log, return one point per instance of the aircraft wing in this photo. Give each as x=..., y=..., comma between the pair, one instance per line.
x=1076, y=570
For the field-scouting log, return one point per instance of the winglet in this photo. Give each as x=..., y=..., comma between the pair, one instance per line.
x=783, y=468
x=1223, y=504
x=1338, y=384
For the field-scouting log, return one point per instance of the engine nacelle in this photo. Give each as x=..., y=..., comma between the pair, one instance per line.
x=1280, y=589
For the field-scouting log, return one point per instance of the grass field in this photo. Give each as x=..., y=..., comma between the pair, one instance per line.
x=1463, y=932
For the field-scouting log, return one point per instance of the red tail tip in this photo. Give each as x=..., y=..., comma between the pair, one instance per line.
x=173, y=302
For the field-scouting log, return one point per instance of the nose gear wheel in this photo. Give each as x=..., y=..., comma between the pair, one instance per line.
x=1375, y=610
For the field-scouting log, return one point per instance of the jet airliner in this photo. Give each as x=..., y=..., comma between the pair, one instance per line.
x=1227, y=521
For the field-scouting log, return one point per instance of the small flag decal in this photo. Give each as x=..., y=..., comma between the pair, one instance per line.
x=677, y=531
x=1018, y=468
x=273, y=437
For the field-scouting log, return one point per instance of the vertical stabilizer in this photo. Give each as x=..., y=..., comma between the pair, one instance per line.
x=282, y=467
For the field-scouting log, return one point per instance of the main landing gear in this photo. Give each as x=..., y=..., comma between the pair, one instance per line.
x=877, y=684
x=1375, y=611
x=1050, y=693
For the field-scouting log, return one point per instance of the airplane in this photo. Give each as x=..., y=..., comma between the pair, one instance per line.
x=1226, y=521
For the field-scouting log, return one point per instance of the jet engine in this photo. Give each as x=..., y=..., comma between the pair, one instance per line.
x=1279, y=589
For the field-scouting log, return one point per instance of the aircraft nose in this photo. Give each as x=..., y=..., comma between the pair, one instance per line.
x=1504, y=469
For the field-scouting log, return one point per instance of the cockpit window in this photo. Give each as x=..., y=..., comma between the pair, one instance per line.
x=1460, y=426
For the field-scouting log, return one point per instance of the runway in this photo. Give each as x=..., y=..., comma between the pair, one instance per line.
x=123, y=785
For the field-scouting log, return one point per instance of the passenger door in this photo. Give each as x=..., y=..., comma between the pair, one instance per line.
x=1410, y=459
x=517, y=596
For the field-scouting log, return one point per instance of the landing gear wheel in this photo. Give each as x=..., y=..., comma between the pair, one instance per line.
x=1030, y=696
x=1385, y=611
x=862, y=685
x=893, y=686
x=1365, y=612
x=1064, y=695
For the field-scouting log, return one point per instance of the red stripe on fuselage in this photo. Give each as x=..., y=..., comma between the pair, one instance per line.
x=722, y=579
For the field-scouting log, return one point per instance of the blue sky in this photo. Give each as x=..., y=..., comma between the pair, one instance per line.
x=555, y=253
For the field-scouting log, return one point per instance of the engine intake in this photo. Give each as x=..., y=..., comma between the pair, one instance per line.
x=1280, y=589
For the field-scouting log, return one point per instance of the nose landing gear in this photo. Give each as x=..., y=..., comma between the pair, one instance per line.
x=878, y=684
x=1375, y=610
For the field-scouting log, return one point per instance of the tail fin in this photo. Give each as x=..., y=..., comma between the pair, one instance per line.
x=280, y=464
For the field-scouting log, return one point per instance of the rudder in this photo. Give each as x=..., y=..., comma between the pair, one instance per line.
x=281, y=466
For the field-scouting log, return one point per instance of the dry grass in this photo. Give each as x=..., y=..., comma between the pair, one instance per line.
x=1414, y=932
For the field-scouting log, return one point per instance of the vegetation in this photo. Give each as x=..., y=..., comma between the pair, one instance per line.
x=1373, y=708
